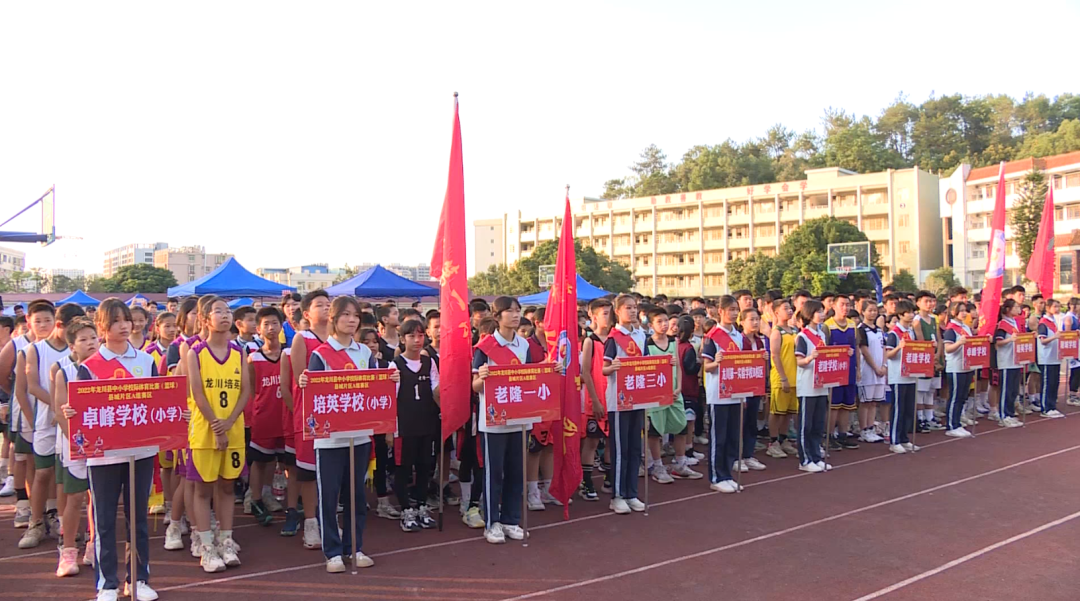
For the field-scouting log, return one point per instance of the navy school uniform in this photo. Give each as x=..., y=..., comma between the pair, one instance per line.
x=959, y=378
x=1009, y=373
x=1049, y=364
x=813, y=401
x=903, y=389
x=625, y=427
x=724, y=412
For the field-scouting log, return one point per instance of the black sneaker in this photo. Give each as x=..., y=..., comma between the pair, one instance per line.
x=292, y=522
x=848, y=442
x=606, y=486
x=923, y=428
x=409, y=520
x=587, y=492
x=261, y=514
x=834, y=445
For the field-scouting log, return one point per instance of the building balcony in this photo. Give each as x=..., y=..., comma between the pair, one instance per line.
x=847, y=211
x=683, y=269
x=738, y=243
x=814, y=213
x=684, y=246
x=737, y=219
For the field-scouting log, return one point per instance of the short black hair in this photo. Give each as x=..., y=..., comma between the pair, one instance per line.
x=801, y=293
x=539, y=314
x=904, y=306
x=478, y=305
x=7, y=322
x=741, y=293
x=268, y=312
x=411, y=327
x=305, y=302
x=924, y=294
x=242, y=312
x=68, y=312
x=383, y=311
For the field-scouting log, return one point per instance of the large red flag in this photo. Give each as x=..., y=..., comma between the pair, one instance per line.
x=990, y=303
x=447, y=261
x=1040, y=267
x=561, y=330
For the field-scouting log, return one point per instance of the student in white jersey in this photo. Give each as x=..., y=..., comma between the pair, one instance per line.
x=1048, y=354
x=960, y=378
x=871, y=342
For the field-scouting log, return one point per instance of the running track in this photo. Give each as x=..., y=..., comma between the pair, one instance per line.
x=995, y=517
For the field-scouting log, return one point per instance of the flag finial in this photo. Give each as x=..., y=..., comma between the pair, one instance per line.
x=455, y=94
x=568, y=189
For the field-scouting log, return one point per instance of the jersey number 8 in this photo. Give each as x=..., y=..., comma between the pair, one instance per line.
x=223, y=398
x=235, y=459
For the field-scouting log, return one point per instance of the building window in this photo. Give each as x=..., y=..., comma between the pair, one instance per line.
x=902, y=221
x=493, y=253
x=492, y=228
x=1065, y=270
x=905, y=248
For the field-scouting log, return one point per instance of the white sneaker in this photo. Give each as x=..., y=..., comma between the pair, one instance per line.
x=229, y=553
x=547, y=498
x=173, y=540
x=682, y=470
x=387, y=511
x=88, y=554
x=494, y=534
x=809, y=467
x=824, y=466
x=910, y=447
x=272, y=505
x=775, y=451
x=312, y=536
x=363, y=561
x=641, y=470
x=898, y=449
x=143, y=592
x=335, y=565
x=1012, y=422
x=958, y=433
x=739, y=466
x=754, y=464
x=726, y=486
x=789, y=447
x=196, y=546
x=535, y=504
x=1053, y=414
x=8, y=489
x=701, y=440
x=619, y=506
x=660, y=474
x=210, y=561
x=472, y=518
x=109, y=594
x=635, y=504
x=692, y=461
x=513, y=532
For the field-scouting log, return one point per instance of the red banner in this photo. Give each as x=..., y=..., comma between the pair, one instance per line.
x=644, y=383
x=349, y=403
x=1024, y=348
x=116, y=416
x=522, y=394
x=917, y=359
x=832, y=366
x=977, y=353
x=742, y=374
x=1067, y=345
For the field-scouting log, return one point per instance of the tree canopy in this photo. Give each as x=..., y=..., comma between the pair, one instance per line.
x=1026, y=215
x=136, y=278
x=597, y=268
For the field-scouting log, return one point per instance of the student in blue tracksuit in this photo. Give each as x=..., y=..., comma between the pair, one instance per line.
x=1047, y=353
x=960, y=378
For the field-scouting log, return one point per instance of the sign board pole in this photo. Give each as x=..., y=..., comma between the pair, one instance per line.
x=132, y=515
x=524, y=484
x=645, y=450
x=352, y=499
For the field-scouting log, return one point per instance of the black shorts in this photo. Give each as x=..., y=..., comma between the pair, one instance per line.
x=288, y=458
x=593, y=430
x=304, y=475
x=256, y=456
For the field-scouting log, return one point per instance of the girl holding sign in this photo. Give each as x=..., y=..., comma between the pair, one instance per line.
x=341, y=352
x=1049, y=361
x=723, y=411
x=813, y=401
x=109, y=476
x=955, y=336
x=903, y=387
x=1009, y=372
x=626, y=425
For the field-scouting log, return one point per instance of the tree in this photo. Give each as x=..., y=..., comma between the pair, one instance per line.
x=597, y=269
x=758, y=273
x=853, y=144
x=1065, y=139
x=346, y=273
x=940, y=280
x=1026, y=216
x=904, y=281
x=61, y=283
x=652, y=171
x=139, y=278
x=805, y=252
x=499, y=280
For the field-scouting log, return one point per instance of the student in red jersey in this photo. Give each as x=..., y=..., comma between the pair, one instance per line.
x=109, y=476
x=594, y=393
x=316, y=309
x=292, y=480
x=341, y=352
x=267, y=445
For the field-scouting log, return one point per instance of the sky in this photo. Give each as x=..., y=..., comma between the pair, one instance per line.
x=295, y=133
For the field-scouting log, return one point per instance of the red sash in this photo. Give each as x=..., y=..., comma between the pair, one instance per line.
x=723, y=340
x=1008, y=327
x=753, y=343
x=498, y=353
x=812, y=336
x=106, y=369
x=1050, y=324
x=599, y=381
x=626, y=343
x=536, y=351
x=959, y=329
x=901, y=333
x=337, y=360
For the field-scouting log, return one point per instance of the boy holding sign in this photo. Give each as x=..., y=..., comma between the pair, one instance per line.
x=903, y=387
x=1049, y=359
x=109, y=476
x=960, y=377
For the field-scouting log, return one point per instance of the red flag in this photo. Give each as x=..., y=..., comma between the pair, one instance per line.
x=1040, y=267
x=455, y=345
x=990, y=304
x=561, y=331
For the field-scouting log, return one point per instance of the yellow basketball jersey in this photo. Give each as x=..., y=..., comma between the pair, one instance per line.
x=220, y=381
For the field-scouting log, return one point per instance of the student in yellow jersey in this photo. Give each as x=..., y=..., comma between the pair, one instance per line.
x=220, y=386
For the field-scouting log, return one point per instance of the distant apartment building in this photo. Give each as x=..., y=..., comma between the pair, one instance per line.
x=967, y=200
x=680, y=244
x=304, y=278
x=188, y=263
x=130, y=254
x=68, y=273
x=11, y=261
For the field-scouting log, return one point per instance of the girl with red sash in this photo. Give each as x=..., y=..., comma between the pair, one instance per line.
x=1048, y=354
x=109, y=476
x=594, y=395
x=502, y=444
x=541, y=457
x=1009, y=372
x=723, y=409
x=902, y=387
x=959, y=377
x=813, y=400
x=626, y=425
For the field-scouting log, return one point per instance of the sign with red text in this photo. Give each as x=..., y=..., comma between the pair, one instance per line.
x=742, y=374
x=832, y=366
x=977, y=353
x=644, y=383
x=114, y=418
x=522, y=394
x=1067, y=345
x=917, y=359
x=343, y=404
x=1025, y=348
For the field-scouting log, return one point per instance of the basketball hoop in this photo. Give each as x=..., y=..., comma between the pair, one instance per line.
x=842, y=272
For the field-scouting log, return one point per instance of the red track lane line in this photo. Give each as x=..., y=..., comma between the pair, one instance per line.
x=968, y=557
x=742, y=543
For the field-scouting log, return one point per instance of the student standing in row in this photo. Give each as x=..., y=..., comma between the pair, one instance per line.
x=1049, y=360
x=594, y=393
x=903, y=387
x=1009, y=372
x=813, y=401
x=626, y=425
x=783, y=398
x=723, y=410
x=960, y=379
x=418, y=427
x=871, y=343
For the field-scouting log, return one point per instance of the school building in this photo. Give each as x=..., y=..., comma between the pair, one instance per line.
x=130, y=254
x=680, y=244
x=188, y=263
x=967, y=206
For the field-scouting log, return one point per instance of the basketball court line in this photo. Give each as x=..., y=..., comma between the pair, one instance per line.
x=785, y=531
x=968, y=557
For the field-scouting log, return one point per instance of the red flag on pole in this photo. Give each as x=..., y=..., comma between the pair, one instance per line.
x=561, y=331
x=1040, y=267
x=447, y=260
x=990, y=305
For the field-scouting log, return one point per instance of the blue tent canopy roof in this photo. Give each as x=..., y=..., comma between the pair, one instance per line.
x=241, y=302
x=585, y=292
x=231, y=279
x=80, y=298
x=379, y=282
x=131, y=301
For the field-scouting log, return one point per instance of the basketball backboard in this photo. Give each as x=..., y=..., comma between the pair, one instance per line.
x=849, y=257
x=546, y=276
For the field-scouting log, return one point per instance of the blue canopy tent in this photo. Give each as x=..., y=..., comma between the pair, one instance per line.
x=379, y=282
x=138, y=297
x=80, y=298
x=242, y=302
x=232, y=280
x=585, y=292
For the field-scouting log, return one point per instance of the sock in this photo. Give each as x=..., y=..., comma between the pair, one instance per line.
x=782, y=438
x=225, y=535
x=534, y=488
x=20, y=495
x=267, y=491
x=206, y=538
x=312, y=520
x=384, y=501
x=545, y=485
x=50, y=504
x=586, y=475
x=466, y=492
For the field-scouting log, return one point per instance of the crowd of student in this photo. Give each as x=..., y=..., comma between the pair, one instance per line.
x=247, y=368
